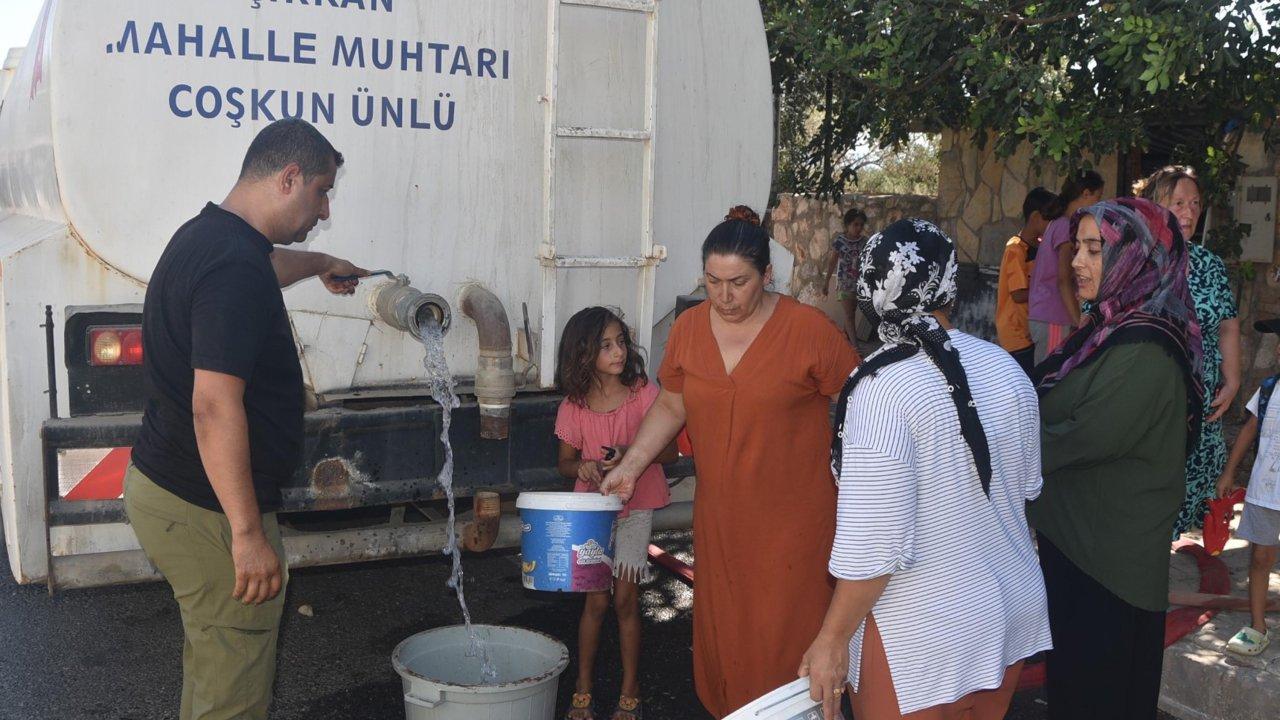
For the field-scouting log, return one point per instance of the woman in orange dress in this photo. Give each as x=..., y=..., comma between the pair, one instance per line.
x=751, y=373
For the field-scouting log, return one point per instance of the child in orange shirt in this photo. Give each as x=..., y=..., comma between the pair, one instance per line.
x=1012, y=329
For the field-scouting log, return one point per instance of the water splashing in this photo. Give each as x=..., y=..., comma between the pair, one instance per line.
x=440, y=383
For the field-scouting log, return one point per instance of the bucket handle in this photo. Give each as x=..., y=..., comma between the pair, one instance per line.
x=421, y=702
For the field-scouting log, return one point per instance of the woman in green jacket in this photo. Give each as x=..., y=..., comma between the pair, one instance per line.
x=1119, y=402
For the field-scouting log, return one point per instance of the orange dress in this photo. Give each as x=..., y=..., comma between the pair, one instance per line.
x=764, y=511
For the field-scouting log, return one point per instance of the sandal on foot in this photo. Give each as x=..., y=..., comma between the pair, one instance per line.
x=628, y=709
x=1249, y=642
x=580, y=708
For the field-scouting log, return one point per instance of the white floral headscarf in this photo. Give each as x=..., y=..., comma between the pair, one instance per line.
x=908, y=270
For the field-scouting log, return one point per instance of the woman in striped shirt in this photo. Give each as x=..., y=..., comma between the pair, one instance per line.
x=939, y=596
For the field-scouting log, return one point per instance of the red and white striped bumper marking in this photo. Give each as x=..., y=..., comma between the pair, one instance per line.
x=92, y=473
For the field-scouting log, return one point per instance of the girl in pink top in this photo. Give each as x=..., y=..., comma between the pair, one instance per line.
x=607, y=394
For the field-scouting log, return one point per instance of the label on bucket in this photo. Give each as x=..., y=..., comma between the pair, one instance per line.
x=567, y=550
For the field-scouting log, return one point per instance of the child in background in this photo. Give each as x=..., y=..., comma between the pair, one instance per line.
x=1260, y=522
x=1052, y=306
x=607, y=394
x=1012, y=328
x=844, y=263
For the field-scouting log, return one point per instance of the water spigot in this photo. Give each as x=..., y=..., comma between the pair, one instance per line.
x=406, y=308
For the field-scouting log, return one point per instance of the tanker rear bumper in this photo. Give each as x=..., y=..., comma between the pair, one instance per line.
x=384, y=457
x=353, y=458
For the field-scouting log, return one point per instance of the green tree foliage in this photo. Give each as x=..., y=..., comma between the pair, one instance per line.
x=1063, y=75
x=909, y=169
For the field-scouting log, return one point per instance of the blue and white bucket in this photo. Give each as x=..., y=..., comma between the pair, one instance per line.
x=566, y=540
x=789, y=702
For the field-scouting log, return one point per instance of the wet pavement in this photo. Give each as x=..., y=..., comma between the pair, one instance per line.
x=115, y=652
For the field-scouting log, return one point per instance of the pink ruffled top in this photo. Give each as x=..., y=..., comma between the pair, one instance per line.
x=588, y=431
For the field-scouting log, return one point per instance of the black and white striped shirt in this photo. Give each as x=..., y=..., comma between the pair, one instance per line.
x=967, y=598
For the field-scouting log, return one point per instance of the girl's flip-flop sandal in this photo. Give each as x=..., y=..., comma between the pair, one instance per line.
x=580, y=708
x=628, y=709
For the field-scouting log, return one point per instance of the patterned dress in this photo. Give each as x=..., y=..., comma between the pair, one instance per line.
x=1215, y=302
x=847, y=268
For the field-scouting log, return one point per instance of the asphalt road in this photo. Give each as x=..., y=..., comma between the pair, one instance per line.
x=115, y=652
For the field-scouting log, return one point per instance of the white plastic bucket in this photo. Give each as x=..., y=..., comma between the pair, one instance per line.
x=789, y=702
x=442, y=683
x=566, y=540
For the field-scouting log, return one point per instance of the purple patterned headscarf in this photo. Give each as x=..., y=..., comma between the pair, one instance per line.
x=1143, y=295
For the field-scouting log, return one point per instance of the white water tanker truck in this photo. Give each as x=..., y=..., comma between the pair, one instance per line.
x=516, y=159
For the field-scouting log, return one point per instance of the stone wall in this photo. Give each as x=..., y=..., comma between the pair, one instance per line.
x=980, y=205
x=980, y=194
x=806, y=226
x=1259, y=297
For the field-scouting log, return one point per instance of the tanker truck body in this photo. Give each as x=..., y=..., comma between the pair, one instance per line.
x=517, y=160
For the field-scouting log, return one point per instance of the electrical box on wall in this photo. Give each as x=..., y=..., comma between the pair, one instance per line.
x=1256, y=209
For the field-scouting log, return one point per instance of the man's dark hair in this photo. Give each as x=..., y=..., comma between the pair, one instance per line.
x=1038, y=200
x=289, y=141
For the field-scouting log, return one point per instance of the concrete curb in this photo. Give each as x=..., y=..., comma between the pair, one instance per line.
x=1202, y=681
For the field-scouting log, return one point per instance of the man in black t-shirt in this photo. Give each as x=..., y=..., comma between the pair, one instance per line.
x=223, y=425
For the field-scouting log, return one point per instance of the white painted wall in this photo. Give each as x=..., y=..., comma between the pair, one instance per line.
x=102, y=150
x=97, y=171
x=9, y=68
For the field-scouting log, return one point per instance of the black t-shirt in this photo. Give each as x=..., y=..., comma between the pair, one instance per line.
x=214, y=303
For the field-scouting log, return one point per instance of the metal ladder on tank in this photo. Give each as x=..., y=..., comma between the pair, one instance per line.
x=649, y=254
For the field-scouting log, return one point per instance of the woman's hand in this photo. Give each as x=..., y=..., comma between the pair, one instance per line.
x=826, y=664
x=1229, y=346
x=589, y=472
x=1222, y=401
x=620, y=481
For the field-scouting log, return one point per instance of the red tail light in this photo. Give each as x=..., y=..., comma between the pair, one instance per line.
x=115, y=345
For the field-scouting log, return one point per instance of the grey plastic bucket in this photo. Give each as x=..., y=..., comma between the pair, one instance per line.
x=442, y=683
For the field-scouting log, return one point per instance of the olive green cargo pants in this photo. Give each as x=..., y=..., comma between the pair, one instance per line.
x=229, y=648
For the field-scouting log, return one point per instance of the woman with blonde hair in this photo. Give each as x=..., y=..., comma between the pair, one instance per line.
x=1177, y=189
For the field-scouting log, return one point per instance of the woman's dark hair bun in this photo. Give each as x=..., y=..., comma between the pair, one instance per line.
x=740, y=234
x=743, y=212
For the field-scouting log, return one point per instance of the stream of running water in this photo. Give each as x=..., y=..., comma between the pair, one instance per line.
x=440, y=382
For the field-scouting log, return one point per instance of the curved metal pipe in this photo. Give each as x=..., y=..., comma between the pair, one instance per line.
x=495, y=377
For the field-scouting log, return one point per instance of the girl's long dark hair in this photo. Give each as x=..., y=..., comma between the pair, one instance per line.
x=1075, y=186
x=579, y=347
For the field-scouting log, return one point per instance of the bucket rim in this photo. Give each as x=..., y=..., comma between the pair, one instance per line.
x=782, y=701
x=405, y=671
x=568, y=501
